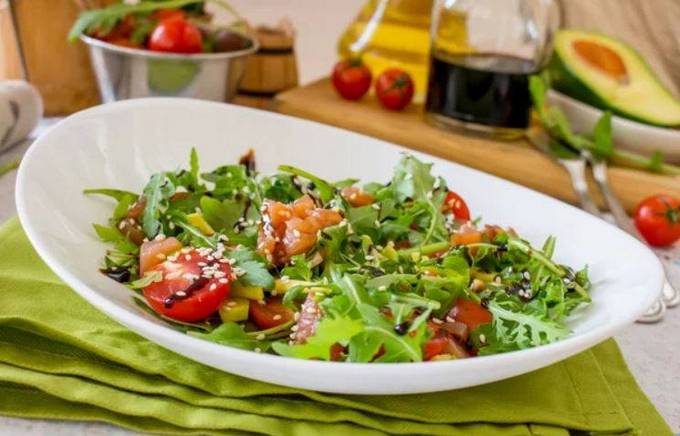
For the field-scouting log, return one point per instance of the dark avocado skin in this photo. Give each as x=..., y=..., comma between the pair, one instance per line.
x=566, y=82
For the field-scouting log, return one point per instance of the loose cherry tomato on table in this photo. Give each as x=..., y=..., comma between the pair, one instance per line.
x=394, y=89
x=658, y=220
x=186, y=293
x=270, y=314
x=351, y=78
x=454, y=203
x=176, y=35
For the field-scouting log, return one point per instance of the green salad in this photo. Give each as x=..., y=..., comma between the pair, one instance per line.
x=295, y=265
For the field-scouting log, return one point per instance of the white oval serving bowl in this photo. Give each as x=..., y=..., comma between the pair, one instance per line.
x=628, y=134
x=119, y=145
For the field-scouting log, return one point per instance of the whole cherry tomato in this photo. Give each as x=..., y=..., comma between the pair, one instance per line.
x=394, y=89
x=658, y=220
x=176, y=35
x=351, y=78
x=185, y=292
x=454, y=203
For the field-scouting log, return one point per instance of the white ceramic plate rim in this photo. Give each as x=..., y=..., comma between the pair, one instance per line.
x=539, y=356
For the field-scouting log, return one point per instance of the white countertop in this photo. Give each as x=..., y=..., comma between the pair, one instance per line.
x=652, y=352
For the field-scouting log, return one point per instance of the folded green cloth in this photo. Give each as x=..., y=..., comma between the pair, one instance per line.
x=61, y=358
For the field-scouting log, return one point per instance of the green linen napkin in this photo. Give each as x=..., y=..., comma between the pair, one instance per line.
x=61, y=358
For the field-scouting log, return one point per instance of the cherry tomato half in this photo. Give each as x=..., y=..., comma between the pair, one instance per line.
x=184, y=293
x=394, y=89
x=176, y=35
x=270, y=314
x=454, y=203
x=658, y=220
x=470, y=313
x=351, y=78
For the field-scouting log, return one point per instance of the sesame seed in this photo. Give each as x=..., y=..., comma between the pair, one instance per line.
x=223, y=280
x=437, y=321
x=213, y=287
x=276, y=317
x=377, y=223
x=187, y=257
x=231, y=304
x=121, y=225
x=159, y=237
x=382, y=288
x=202, y=264
x=260, y=337
x=296, y=316
x=258, y=350
x=160, y=256
x=294, y=328
x=296, y=233
x=482, y=338
x=261, y=302
x=181, y=294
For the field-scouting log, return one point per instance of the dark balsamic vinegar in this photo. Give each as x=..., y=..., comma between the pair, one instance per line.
x=492, y=90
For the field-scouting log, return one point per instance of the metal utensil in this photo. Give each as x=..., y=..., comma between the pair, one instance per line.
x=575, y=164
x=671, y=296
x=124, y=72
x=572, y=162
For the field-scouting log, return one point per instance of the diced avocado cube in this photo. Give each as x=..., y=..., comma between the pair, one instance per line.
x=234, y=309
x=249, y=292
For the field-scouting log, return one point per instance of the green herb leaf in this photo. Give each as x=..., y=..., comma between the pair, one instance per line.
x=325, y=189
x=253, y=266
x=153, y=193
x=149, y=277
x=233, y=335
x=329, y=332
x=116, y=194
x=221, y=215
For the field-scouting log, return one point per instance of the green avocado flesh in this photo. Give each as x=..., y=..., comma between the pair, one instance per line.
x=609, y=74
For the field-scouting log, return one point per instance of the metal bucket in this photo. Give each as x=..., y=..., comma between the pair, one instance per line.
x=124, y=73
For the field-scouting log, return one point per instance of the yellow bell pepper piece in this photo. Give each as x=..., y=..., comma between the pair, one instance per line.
x=197, y=220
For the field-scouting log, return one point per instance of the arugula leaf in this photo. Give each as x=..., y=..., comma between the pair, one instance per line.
x=515, y=327
x=298, y=269
x=280, y=187
x=221, y=215
x=398, y=348
x=325, y=189
x=363, y=347
x=363, y=219
x=116, y=194
x=254, y=268
x=113, y=235
x=233, y=335
x=602, y=136
x=153, y=193
x=149, y=277
x=329, y=332
x=412, y=179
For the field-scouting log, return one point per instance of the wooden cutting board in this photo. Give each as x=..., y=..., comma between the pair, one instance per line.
x=516, y=161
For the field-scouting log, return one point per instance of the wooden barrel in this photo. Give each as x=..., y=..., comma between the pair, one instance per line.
x=272, y=69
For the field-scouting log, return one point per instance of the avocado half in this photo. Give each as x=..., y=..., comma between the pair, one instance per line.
x=608, y=74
